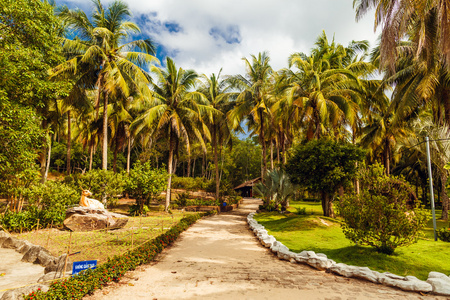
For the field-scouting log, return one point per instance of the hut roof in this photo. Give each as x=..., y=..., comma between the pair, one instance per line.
x=249, y=183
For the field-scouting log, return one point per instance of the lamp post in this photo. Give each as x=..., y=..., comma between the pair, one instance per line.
x=430, y=176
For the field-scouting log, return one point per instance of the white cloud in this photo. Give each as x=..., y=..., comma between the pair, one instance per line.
x=279, y=27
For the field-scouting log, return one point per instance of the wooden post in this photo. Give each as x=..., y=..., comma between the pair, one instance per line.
x=67, y=256
x=48, y=239
x=132, y=239
x=162, y=225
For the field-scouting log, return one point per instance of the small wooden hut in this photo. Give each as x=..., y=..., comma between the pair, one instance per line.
x=246, y=189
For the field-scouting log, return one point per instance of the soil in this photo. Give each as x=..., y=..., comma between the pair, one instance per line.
x=220, y=258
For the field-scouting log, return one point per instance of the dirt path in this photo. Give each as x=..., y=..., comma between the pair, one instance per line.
x=16, y=273
x=219, y=258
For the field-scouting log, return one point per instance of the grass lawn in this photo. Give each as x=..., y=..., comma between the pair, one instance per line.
x=102, y=244
x=324, y=235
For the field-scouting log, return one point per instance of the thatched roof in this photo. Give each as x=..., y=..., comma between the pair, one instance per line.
x=249, y=183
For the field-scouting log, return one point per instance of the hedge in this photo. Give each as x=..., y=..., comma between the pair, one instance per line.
x=88, y=281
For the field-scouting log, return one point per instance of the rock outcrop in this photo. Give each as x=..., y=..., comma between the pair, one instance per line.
x=88, y=219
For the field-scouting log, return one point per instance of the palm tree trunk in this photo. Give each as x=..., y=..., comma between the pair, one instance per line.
x=116, y=149
x=49, y=154
x=91, y=154
x=189, y=166
x=271, y=154
x=170, y=170
x=69, y=142
x=263, y=145
x=387, y=157
x=105, y=134
x=216, y=160
x=129, y=155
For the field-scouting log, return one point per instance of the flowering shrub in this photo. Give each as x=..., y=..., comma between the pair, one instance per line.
x=88, y=281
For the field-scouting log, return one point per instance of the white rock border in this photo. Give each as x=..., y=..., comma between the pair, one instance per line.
x=437, y=283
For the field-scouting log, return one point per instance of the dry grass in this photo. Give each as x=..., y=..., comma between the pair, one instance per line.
x=102, y=244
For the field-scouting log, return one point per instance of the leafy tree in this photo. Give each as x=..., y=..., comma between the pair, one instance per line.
x=384, y=215
x=323, y=166
x=20, y=136
x=145, y=183
x=29, y=41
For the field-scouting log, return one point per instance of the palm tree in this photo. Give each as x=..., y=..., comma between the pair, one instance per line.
x=426, y=22
x=175, y=112
x=251, y=103
x=98, y=58
x=327, y=87
x=215, y=91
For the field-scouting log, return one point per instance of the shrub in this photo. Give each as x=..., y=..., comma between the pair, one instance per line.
x=145, y=183
x=182, y=199
x=193, y=184
x=444, y=234
x=103, y=184
x=47, y=203
x=384, y=214
x=276, y=188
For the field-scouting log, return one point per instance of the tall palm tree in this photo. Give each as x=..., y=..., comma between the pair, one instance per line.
x=252, y=101
x=426, y=22
x=175, y=112
x=98, y=57
x=327, y=87
x=215, y=91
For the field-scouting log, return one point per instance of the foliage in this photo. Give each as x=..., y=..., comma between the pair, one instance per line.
x=276, y=187
x=20, y=135
x=383, y=215
x=103, y=184
x=190, y=183
x=47, y=205
x=182, y=199
x=30, y=46
x=88, y=281
x=145, y=183
x=323, y=166
x=135, y=210
x=444, y=234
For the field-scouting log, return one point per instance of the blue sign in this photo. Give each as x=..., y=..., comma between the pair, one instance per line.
x=79, y=266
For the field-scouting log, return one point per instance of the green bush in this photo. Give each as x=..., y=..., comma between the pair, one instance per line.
x=88, y=281
x=444, y=234
x=182, y=199
x=193, y=184
x=46, y=202
x=383, y=215
x=103, y=184
x=145, y=183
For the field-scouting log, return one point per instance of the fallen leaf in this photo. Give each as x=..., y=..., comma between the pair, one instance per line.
x=130, y=284
x=3, y=274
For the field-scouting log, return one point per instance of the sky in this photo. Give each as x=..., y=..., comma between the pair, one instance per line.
x=207, y=35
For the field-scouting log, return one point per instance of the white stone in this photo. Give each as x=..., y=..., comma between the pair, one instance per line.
x=437, y=275
x=319, y=263
x=440, y=285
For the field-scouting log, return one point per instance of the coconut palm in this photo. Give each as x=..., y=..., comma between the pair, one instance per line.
x=426, y=22
x=327, y=87
x=215, y=90
x=175, y=113
x=98, y=57
x=252, y=101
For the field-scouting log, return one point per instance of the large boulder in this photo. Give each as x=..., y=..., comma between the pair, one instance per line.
x=88, y=219
x=3, y=236
x=19, y=293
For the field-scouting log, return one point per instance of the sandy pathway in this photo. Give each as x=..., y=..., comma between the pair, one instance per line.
x=219, y=258
x=16, y=273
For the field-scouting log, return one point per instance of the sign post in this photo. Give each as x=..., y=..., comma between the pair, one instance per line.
x=79, y=266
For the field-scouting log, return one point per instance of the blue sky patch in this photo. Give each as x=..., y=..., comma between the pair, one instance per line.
x=230, y=34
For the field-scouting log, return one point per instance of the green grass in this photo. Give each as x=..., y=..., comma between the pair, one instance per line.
x=308, y=232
